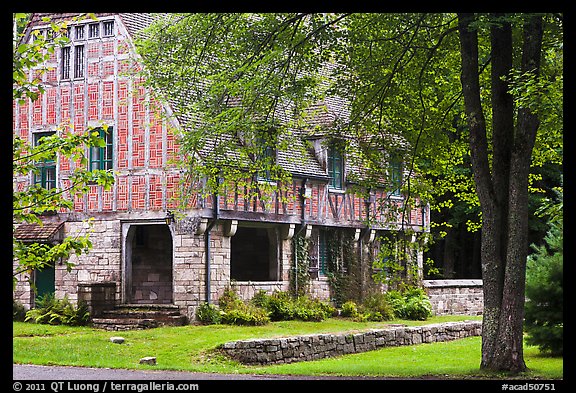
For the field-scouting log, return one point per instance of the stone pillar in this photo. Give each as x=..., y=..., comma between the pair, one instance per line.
x=99, y=296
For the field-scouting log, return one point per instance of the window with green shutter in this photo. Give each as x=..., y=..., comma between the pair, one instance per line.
x=45, y=175
x=102, y=157
x=323, y=253
x=335, y=168
x=395, y=176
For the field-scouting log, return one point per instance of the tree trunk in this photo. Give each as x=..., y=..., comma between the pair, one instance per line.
x=502, y=191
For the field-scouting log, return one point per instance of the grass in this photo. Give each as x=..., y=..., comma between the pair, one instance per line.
x=191, y=348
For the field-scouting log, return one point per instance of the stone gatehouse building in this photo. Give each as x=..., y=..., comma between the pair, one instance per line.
x=141, y=254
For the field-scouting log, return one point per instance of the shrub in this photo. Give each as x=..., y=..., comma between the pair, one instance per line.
x=349, y=309
x=378, y=308
x=234, y=311
x=18, y=311
x=246, y=314
x=281, y=306
x=260, y=299
x=229, y=299
x=209, y=314
x=410, y=303
x=417, y=304
x=50, y=310
x=307, y=309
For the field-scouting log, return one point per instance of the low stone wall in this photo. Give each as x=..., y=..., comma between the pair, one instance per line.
x=318, y=346
x=455, y=296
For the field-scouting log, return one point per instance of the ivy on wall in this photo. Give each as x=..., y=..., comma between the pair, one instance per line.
x=299, y=276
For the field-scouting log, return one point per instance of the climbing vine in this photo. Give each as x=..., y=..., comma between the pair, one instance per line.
x=299, y=275
x=396, y=261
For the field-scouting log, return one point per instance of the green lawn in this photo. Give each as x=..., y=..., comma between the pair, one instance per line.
x=191, y=348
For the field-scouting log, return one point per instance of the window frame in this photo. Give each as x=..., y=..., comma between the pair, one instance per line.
x=102, y=161
x=105, y=24
x=93, y=33
x=323, y=253
x=335, y=167
x=45, y=166
x=395, y=168
x=266, y=151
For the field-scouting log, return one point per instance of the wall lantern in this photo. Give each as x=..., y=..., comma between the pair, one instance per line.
x=169, y=219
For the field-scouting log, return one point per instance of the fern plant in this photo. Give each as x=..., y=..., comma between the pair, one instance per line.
x=52, y=311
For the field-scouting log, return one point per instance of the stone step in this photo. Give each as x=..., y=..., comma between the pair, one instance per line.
x=137, y=316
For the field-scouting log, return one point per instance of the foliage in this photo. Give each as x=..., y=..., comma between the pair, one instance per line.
x=245, y=314
x=299, y=275
x=18, y=311
x=349, y=309
x=209, y=314
x=544, y=318
x=410, y=303
x=281, y=306
x=376, y=307
x=396, y=259
x=235, y=311
x=52, y=311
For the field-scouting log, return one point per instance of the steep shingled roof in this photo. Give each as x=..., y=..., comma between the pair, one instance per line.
x=300, y=161
x=42, y=233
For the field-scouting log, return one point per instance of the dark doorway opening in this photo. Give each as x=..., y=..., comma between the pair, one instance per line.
x=149, y=264
x=254, y=254
x=45, y=281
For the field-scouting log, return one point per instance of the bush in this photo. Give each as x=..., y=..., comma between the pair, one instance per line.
x=245, y=314
x=307, y=309
x=18, y=311
x=281, y=306
x=410, y=303
x=209, y=314
x=50, y=310
x=377, y=308
x=349, y=309
x=417, y=304
x=229, y=299
x=232, y=311
x=544, y=318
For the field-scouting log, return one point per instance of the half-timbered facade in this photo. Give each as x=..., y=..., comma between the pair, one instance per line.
x=141, y=252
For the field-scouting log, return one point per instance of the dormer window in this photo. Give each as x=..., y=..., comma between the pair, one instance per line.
x=266, y=155
x=335, y=168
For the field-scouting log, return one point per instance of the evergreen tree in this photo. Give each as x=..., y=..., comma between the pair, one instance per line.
x=544, y=319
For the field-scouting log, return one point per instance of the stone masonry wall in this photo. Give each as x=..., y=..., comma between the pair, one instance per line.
x=455, y=297
x=318, y=346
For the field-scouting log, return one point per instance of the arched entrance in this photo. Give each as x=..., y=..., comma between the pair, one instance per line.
x=148, y=261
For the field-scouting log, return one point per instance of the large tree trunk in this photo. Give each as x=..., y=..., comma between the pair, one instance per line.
x=502, y=190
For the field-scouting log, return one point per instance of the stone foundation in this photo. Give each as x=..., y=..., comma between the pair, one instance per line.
x=319, y=346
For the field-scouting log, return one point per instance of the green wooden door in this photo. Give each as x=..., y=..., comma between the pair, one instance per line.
x=44, y=281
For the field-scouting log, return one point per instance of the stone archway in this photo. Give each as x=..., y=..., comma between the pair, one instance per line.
x=148, y=261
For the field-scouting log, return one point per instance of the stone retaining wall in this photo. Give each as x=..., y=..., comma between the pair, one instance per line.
x=318, y=346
